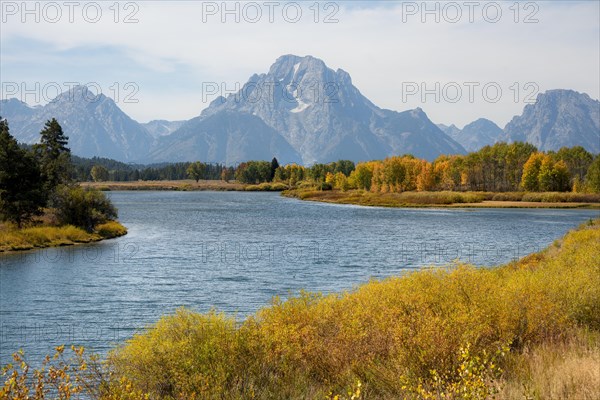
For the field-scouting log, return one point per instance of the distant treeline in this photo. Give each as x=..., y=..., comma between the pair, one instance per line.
x=501, y=167
x=111, y=170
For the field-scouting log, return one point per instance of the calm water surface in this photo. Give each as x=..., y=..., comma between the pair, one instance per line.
x=233, y=252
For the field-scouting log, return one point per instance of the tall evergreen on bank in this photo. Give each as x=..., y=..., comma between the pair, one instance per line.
x=21, y=184
x=54, y=156
x=274, y=166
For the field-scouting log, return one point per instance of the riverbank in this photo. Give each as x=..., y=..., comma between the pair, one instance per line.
x=365, y=198
x=185, y=185
x=13, y=239
x=449, y=199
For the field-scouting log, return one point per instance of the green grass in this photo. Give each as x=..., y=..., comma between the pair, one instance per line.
x=529, y=328
x=14, y=239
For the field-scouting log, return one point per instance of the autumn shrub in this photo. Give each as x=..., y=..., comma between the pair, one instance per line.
x=583, y=197
x=478, y=377
x=306, y=194
x=426, y=198
x=484, y=195
x=278, y=186
x=534, y=197
x=68, y=374
x=508, y=196
x=305, y=185
x=53, y=378
x=390, y=199
x=267, y=187
x=111, y=229
x=185, y=355
x=569, y=276
x=560, y=197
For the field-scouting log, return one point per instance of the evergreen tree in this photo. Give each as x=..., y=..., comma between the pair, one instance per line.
x=54, y=156
x=21, y=195
x=274, y=166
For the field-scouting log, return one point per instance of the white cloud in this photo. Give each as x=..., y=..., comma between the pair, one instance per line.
x=372, y=42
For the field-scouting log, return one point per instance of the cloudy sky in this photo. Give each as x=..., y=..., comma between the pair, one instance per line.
x=457, y=60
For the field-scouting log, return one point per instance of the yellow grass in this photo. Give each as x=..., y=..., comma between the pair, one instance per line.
x=14, y=239
x=448, y=199
x=562, y=369
x=111, y=230
x=186, y=185
x=180, y=185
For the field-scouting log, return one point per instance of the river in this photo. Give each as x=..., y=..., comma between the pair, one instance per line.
x=234, y=251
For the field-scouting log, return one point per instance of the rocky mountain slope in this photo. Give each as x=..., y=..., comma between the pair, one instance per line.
x=95, y=125
x=558, y=118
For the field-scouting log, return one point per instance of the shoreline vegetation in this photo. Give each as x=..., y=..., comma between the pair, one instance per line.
x=41, y=204
x=14, y=239
x=450, y=199
x=499, y=176
x=529, y=329
x=185, y=185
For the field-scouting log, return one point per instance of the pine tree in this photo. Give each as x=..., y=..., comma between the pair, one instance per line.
x=54, y=156
x=21, y=195
x=274, y=166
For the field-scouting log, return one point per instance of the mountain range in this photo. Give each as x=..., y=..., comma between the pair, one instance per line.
x=299, y=111
x=95, y=125
x=558, y=118
x=474, y=135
